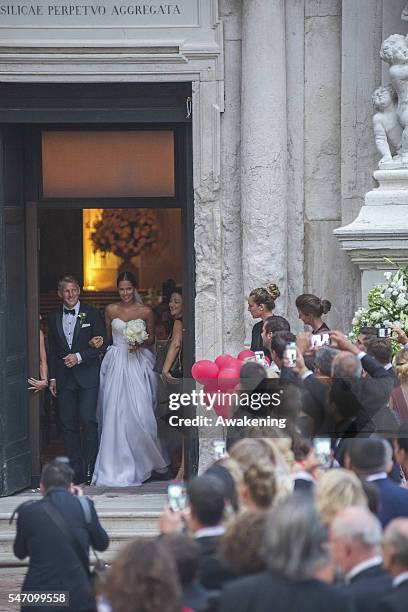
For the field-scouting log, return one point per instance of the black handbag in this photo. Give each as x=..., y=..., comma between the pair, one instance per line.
x=176, y=369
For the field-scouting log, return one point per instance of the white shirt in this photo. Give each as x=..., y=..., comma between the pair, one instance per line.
x=68, y=325
x=400, y=579
x=378, y=476
x=207, y=532
x=364, y=565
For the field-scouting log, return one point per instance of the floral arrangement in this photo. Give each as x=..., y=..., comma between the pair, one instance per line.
x=135, y=333
x=125, y=232
x=387, y=304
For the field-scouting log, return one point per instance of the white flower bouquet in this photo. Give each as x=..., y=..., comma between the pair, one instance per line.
x=387, y=304
x=135, y=333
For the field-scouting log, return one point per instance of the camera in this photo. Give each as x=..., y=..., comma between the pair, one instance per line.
x=318, y=340
x=260, y=358
x=384, y=332
x=176, y=496
x=290, y=354
x=323, y=452
x=220, y=448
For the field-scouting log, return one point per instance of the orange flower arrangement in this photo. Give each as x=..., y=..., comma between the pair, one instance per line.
x=125, y=232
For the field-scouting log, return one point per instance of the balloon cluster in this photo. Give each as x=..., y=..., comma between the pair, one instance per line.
x=220, y=377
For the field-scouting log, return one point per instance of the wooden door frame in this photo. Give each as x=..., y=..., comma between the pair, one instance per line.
x=33, y=332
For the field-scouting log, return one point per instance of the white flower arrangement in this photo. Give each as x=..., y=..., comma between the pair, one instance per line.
x=387, y=304
x=135, y=333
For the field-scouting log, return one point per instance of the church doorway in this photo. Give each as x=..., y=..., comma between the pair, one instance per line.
x=73, y=165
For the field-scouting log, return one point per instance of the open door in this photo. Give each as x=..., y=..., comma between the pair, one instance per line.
x=15, y=446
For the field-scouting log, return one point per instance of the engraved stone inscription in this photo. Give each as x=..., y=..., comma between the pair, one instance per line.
x=112, y=13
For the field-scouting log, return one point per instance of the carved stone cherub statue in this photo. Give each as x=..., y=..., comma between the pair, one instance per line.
x=404, y=14
x=394, y=51
x=387, y=129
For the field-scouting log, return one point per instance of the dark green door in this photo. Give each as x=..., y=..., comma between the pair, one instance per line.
x=15, y=449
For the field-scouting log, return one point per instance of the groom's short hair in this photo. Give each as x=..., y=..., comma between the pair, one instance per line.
x=67, y=279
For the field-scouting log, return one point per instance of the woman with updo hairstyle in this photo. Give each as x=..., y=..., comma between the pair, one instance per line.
x=310, y=309
x=265, y=473
x=142, y=577
x=261, y=304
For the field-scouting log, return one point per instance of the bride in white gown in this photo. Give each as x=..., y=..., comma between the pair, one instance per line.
x=129, y=448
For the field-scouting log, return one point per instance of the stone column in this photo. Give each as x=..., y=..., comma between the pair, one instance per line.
x=264, y=147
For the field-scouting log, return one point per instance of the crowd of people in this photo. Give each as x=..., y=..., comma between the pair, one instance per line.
x=311, y=517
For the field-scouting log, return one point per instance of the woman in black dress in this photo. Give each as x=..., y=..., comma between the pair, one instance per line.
x=261, y=304
x=310, y=309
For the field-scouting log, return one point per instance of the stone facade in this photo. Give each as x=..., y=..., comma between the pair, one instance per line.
x=283, y=148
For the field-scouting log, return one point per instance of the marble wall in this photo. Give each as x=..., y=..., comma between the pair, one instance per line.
x=330, y=64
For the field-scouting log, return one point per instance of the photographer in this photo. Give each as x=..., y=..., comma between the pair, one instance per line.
x=54, y=563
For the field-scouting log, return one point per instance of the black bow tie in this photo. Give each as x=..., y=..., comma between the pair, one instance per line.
x=71, y=312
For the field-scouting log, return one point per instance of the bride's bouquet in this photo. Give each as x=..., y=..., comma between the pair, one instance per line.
x=135, y=333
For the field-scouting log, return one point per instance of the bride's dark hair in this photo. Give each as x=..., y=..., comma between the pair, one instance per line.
x=126, y=276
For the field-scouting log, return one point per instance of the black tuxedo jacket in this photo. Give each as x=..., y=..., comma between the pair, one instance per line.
x=53, y=564
x=268, y=592
x=368, y=587
x=396, y=600
x=89, y=323
x=212, y=573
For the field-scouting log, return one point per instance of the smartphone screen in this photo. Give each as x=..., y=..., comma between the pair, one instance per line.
x=290, y=355
x=176, y=496
x=260, y=357
x=220, y=448
x=323, y=452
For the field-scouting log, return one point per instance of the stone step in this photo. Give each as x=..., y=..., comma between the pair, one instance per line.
x=110, y=520
x=124, y=517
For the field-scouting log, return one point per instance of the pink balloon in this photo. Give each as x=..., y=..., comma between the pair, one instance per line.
x=223, y=407
x=228, y=377
x=223, y=360
x=210, y=388
x=204, y=370
x=245, y=354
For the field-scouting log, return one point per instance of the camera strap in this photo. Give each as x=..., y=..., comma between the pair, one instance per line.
x=62, y=525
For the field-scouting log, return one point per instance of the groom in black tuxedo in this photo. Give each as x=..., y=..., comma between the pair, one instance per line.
x=74, y=373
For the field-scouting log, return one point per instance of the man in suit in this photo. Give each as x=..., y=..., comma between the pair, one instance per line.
x=395, y=553
x=54, y=564
x=204, y=515
x=371, y=459
x=74, y=373
x=355, y=538
x=295, y=551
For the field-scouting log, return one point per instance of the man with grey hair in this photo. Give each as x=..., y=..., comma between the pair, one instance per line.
x=395, y=554
x=355, y=538
x=295, y=552
x=323, y=363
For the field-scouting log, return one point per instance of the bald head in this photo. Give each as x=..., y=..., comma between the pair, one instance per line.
x=395, y=546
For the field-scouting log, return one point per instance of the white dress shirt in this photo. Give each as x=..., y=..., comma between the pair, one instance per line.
x=400, y=579
x=207, y=532
x=364, y=565
x=68, y=325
